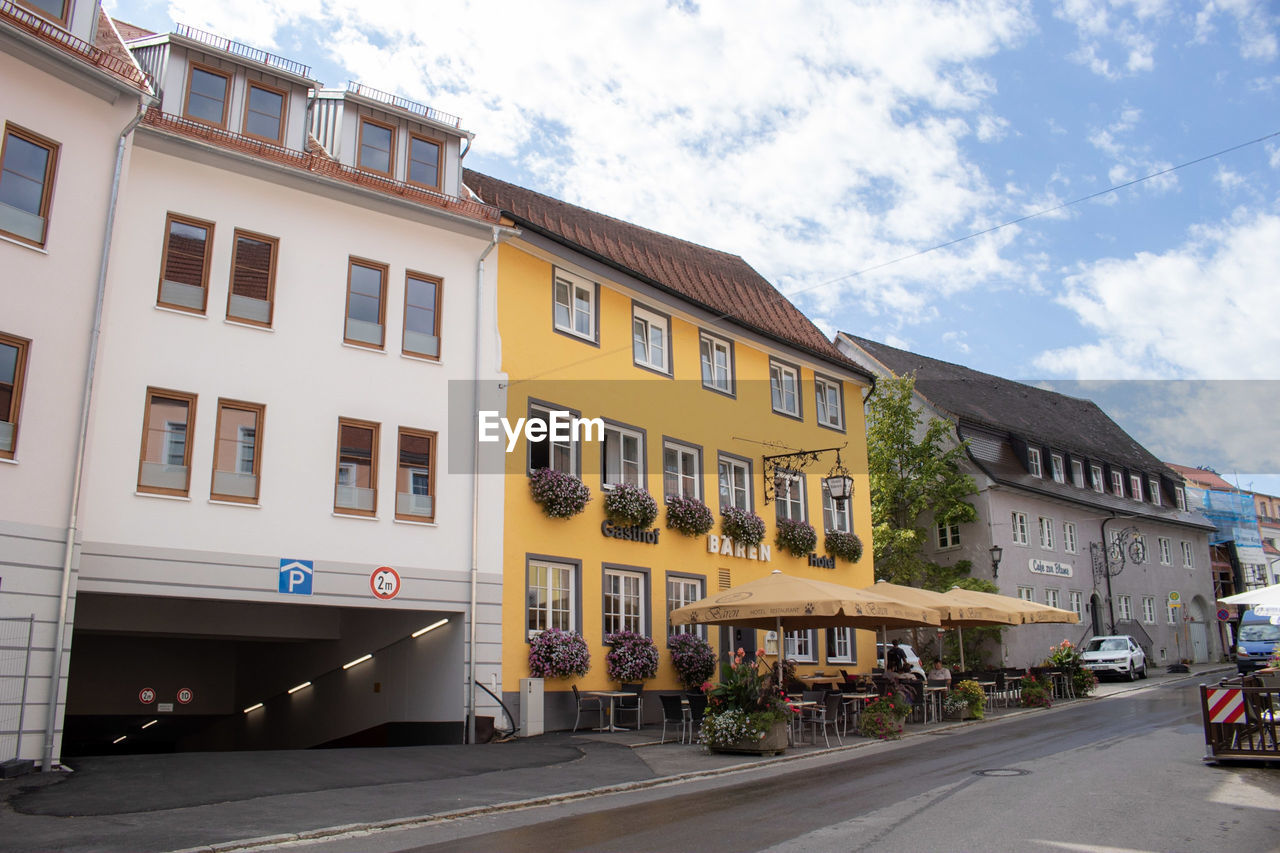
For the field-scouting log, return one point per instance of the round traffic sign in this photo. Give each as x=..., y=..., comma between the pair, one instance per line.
x=185, y=696
x=1223, y=614
x=147, y=695
x=385, y=582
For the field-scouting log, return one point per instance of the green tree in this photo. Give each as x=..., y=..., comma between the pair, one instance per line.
x=913, y=472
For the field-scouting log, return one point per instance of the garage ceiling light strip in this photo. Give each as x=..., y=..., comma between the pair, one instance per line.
x=358, y=660
x=150, y=724
x=431, y=627
x=253, y=707
x=303, y=685
x=117, y=740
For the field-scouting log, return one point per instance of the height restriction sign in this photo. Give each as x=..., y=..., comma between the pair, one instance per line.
x=385, y=582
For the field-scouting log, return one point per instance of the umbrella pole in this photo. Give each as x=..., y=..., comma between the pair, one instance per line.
x=781, y=647
x=960, y=643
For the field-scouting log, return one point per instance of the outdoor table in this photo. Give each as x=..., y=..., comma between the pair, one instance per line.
x=989, y=688
x=612, y=696
x=934, y=696
x=814, y=680
x=798, y=718
x=853, y=705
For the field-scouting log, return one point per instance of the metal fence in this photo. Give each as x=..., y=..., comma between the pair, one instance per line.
x=1240, y=719
x=16, y=633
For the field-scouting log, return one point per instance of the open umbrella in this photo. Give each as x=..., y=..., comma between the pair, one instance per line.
x=1028, y=612
x=953, y=612
x=1264, y=601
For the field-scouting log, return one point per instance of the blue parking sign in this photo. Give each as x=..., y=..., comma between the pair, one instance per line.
x=295, y=576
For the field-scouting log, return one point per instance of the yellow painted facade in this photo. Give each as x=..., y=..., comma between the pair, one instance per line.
x=603, y=380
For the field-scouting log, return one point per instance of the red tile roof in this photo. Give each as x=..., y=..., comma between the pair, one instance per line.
x=711, y=279
x=129, y=32
x=1202, y=479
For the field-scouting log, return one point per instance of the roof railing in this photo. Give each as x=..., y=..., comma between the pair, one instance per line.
x=403, y=103
x=238, y=49
x=55, y=35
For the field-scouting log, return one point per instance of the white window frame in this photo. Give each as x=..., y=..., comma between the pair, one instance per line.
x=1124, y=606
x=553, y=568
x=568, y=448
x=1153, y=487
x=1148, y=610
x=838, y=639
x=779, y=373
x=1135, y=487
x=1027, y=593
x=1117, y=484
x=1170, y=612
x=650, y=339
x=682, y=590
x=1188, y=558
x=625, y=588
x=1077, y=473
x=1075, y=601
x=1057, y=466
x=1052, y=597
x=788, y=495
x=828, y=395
x=709, y=346
x=1095, y=479
x=1033, y=462
x=1068, y=537
x=630, y=471
x=733, y=466
x=841, y=517
x=799, y=646
x=684, y=481
x=948, y=535
x=1180, y=493
x=1018, y=521
x=1166, y=550
x=1046, y=533
x=573, y=286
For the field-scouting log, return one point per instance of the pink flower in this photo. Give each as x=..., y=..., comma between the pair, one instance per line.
x=759, y=653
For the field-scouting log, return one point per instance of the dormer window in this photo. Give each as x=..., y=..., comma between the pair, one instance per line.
x=1077, y=473
x=264, y=114
x=53, y=10
x=1153, y=485
x=424, y=162
x=1033, y=462
x=1117, y=484
x=1181, y=495
x=1059, y=473
x=376, y=141
x=1135, y=487
x=207, y=90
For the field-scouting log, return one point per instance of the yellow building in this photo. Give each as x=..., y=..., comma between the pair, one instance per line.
x=697, y=369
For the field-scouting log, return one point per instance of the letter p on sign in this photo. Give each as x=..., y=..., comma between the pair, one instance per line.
x=295, y=576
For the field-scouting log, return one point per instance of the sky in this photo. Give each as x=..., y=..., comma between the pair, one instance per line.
x=902, y=170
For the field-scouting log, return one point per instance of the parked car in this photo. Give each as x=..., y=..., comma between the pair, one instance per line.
x=1255, y=641
x=913, y=660
x=1114, y=655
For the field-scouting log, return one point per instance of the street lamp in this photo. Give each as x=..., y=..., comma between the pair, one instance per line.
x=996, y=553
x=839, y=484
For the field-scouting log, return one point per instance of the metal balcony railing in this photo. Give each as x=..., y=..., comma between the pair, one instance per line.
x=252, y=53
x=33, y=24
x=404, y=104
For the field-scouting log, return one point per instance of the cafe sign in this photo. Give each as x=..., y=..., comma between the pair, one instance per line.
x=726, y=547
x=1046, y=567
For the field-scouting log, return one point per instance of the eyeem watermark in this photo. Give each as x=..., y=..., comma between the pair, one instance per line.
x=559, y=426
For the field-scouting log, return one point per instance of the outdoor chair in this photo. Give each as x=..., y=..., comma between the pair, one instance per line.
x=587, y=703
x=697, y=709
x=825, y=716
x=673, y=713
x=631, y=704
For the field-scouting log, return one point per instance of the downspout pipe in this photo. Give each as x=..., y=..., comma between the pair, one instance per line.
x=475, y=491
x=82, y=440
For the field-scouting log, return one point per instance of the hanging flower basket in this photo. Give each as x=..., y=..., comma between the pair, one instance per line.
x=558, y=654
x=743, y=526
x=633, y=657
x=846, y=546
x=561, y=495
x=693, y=658
x=630, y=506
x=796, y=537
x=689, y=516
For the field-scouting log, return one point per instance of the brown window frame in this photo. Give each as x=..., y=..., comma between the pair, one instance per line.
x=164, y=262
x=62, y=22
x=278, y=139
x=192, y=67
x=191, y=400
x=439, y=161
x=391, y=152
x=376, y=429
x=260, y=410
x=19, y=383
x=439, y=283
x=274, y=242
x=385, y=269
x=431, y=436
x=50, y=174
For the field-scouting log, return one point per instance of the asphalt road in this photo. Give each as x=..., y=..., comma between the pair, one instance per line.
x=1119, y=775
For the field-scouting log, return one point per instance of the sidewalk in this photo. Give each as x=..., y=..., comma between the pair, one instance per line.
x=214, y=801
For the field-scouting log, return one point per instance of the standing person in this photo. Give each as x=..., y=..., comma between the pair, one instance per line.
x=895, y=659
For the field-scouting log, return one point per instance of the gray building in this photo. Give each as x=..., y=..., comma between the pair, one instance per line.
x=1086, y=518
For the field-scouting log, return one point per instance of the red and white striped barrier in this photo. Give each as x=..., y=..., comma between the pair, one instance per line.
x=1226, y=706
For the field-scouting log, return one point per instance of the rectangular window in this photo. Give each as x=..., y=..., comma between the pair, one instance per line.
x=237, y=451
x=1056, y=465
x=424, y=162
x=207, y=90
x=835, y=516
x=1166, y=551
x=1180, y=494
x=799, y=646
x=356, y=483
x=1148, y=610
x=788, y=494
x=377, y=142
x=560, y=454
x=650, y=339
x=680, y=471
x=830, y=402
x=253, y=279
x=1153, y=489
x=784, y=387
x=1135, y=487
x=366, y=303
x=1046, y=533
x=840, y=647
x=623, y=601
x=623, y=456
x=1018, y=521
x=1170, y=612
x=1069, y=537
x=1124, y=608
x=54, y=10
x=13, y=370
x=1033, y=462
x=948, y=535
x=1117, y=484
x=264, y=112
x=1027, y=593
x=184, y=267
x=415, y=476
x=717, y=363
x=1187, y=559
x=422, y=315
x=165, y=465
x=574, y=309
x=551, y=597
x=1095, y=477
x=1076, y=599
x=1138, y=552
x=1077, y=473
x=680, y=592
x=735, y=483
x=27, y=166
x=1051, y=597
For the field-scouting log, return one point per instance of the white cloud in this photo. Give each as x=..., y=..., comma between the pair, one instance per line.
x=1124, y=26
x=1200, y=310
x=1256, y=23
x=1228, y=180
x=956, y=340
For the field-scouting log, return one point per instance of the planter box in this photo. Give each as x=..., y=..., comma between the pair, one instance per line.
x=773, y=743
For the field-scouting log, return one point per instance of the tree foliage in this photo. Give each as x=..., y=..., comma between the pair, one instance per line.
x=914, y=473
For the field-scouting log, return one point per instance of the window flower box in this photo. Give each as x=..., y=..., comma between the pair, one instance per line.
x=630, y=506
x=796, y=537
x=689, y=516
x=561, y=495
x=846, y=546
x=743, y=526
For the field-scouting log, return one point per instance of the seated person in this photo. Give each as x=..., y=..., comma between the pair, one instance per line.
x=938, y=672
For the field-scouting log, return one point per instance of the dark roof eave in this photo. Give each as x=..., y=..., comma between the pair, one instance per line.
x=849, y=366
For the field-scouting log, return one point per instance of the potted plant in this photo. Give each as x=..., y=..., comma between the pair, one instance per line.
x=561, y=495
x=1066, y=657
x=742, y=526
x=558, y=654
x=689, y=516
x=796, y=537
x=882, y=718
x=1036, y=693
x=975, y=698
x=846, y=546
x=746, y=712
x=955, y=706
x=693, y=659
x=630, y=506
x=633, y=657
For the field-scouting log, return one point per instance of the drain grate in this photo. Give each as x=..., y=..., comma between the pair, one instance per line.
x=1001, y=772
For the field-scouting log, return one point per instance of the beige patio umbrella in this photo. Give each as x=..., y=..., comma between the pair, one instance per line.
x=954, y=613
x=1028, y=612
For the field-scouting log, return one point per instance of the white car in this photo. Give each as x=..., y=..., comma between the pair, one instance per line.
x=913, y=660
x=1114, y=655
